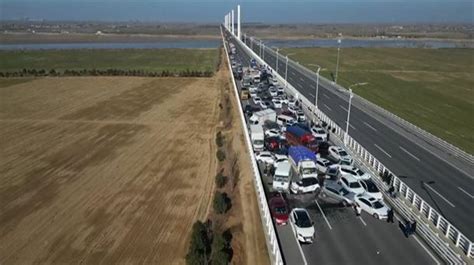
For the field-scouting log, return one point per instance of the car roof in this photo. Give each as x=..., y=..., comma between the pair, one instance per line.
x=284, y=167
x=349, y=178
x=265, y=153
x=332, y=184
x=367, y=197
x=301, y=213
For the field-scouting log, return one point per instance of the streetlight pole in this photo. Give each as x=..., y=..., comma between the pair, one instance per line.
x=260, y=47
x=263, y=52
x=338, y=51
x=349, y=109
x=277, y=61
x=286, y=73
x=317, y=87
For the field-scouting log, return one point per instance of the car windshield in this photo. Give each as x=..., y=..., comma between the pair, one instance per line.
x=280, y=178
x=280, y=210
x=258, y=142
x=342, y=153
x=371, y=186
x=309, y=170
x=360, y=172
x=354, y=185
x=377, y=205
x=303, y=220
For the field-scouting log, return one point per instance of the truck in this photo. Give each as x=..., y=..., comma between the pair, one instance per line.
x=299, y=136
x=257, y=137
x=303, y=161
x=260, y=117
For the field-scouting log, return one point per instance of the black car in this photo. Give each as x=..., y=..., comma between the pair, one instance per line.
x=249, y=110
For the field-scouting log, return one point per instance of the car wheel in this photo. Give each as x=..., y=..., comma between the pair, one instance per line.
x=376, y=216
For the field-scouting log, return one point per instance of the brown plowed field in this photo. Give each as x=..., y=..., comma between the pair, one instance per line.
x=105, y=170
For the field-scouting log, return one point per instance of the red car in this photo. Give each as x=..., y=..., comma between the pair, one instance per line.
x=279, y=209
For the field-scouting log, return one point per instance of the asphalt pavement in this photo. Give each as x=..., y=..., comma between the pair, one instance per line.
x=446, y=187
x=343, y=238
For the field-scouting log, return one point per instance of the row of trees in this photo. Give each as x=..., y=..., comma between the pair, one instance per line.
x=105, y=72
x=208, y=247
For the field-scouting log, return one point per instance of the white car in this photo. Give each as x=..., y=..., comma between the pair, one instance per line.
x=292, y=102
x=371, y=189
x=264, y=104
x=280, y=89
x=354, y=171
x=322, y=164
x=351, y=184
x=277, y=104
x=256, y=100
x=272, y=133
x=253, y=88
x=300, y=116
x=279, y=159
x=284, y=100
x=339, y=155
x=273, y=92
x=302, y=225
x=253, y=94
x=317, y=131
x=306, y=185
x=293, y=109
x=372, y=206
x=266, y=157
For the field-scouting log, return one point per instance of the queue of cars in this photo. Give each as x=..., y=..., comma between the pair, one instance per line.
x=298, y=155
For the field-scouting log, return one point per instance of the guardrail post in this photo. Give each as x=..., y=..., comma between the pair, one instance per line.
x=458, y=239
x=469, y=250
x=430, y=213
x=400, y=187
x=422, y=204
x=438, y=221
x=448, y=230
x=414, y=198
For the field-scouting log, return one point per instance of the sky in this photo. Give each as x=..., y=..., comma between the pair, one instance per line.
x=265, y=11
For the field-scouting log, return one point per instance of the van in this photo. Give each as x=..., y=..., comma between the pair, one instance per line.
x=281, y=178
x=284, y=120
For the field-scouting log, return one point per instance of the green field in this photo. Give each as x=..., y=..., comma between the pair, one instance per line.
x=149, y=60
x=432, y=88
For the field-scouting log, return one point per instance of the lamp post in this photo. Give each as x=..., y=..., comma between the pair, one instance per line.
x=286, y=73
x=263, y=51
x=317, y=87
x=260, y=47
x=338, y=51
x=277, y=61
x=349, y=108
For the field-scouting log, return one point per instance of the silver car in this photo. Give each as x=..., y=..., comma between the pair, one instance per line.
x=337, y=192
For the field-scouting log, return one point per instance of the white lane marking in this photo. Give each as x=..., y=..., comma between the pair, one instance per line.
x=427, y=251
x=327, y=106
x=327, y=222
x=383, y=151
x=299, y=245
x=354, y=128
x=410, y=154
x=312, y=95
x=362, y=220
x=293, y=73
x=467, y=193
x=326, y=96
x=342, y=107
x=299, y=85
x=368, y=125
x=302, y=80
x=441, y=196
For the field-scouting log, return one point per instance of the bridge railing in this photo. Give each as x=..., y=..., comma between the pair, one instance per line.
x=412, y=204
x=273, y=246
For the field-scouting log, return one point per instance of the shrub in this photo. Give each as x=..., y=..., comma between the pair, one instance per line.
x=219, y=139
x=221, y=249
x=200, y=246
x=221, y=180
x=222, y=202
x=220, y=155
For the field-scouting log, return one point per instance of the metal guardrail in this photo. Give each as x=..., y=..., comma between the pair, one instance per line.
x=265, y=216
x=434, y=140
x=439, y=224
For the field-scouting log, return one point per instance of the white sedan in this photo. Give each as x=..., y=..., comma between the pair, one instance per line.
x=280, y=89
x=322, y=164
x=354, y=171
x=305, y=185
x=372, y=206
x=352, y=184
x=266, y=157
x=293, y=109
x=272, y=133
x=317, y=131
x=339, y=155
x=302, y=225
x=277, y=104
x=371, y=189
x=256, y=100
x=273, y=92
x=292, y=102
x=264, y=104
